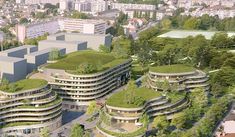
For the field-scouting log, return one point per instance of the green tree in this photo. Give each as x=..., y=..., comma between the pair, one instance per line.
x=45, y=132
x=199, y=98
x=77, y=131
x=78, y=15
x=104, y=49
x=191, y=23
x=161, y=123
x=179, y=120
x=86, y=68
x=220, y=40
x=166, y=23
x=92, y=108
x=54, y=55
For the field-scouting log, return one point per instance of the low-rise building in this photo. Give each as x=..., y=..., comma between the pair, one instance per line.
x=29, y=108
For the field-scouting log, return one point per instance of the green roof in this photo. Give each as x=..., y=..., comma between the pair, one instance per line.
x=71, y=62
x=22, y=85
x=118, y=99
x=178, y=68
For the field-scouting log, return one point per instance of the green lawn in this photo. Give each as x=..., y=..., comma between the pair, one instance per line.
x=176, y=96
x=22, y=85
x=178, y=68
x=118, y=99
x=72, y=61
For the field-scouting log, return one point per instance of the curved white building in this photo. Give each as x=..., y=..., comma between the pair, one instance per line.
x=26, y=112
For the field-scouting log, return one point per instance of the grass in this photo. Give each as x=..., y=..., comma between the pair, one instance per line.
x=71, y=62
x=118, y=99
x=22, y=85
x=178, y=68
x=176, y=96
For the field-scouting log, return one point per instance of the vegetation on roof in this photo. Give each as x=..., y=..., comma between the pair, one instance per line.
x=177, y=68
x=141, y=95
x=22, y=85
x=86, y=62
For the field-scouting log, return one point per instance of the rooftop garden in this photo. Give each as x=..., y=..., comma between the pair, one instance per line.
x=22, y=85
x=177, y=68
x=86, y=62
x=132, y=97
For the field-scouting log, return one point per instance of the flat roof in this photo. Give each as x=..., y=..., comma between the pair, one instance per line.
x=10, y=59
x=43, y=51
x=65, y=33
x=185, y=33
x=18, y=48
x=61, y=42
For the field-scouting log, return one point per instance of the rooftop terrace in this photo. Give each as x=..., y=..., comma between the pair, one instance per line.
x=119, y=99
x=177, y=68
x=71, y=62
x=23, y=85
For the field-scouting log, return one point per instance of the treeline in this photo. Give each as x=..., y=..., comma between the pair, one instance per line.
x=204, y=22
x=153, y=2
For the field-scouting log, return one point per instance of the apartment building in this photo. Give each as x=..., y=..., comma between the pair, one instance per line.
x=83, y=26
x=34, y=30
x=26, y=112
x=181, y=81
x=125, y=6
x=29, y=2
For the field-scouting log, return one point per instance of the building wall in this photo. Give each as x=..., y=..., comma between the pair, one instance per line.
x=69, y=46
x=19, y=52
x=39, y=58
x=93, y=41
x=13, y=71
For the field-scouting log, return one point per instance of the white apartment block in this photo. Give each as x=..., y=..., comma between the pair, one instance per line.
x=83, y=26
x=62, y=24
x=36, y=29
x=54, y=2
x=124, y=6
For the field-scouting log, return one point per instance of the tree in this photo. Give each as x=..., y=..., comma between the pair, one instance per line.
x=130, y=92
x=45, y=132
x=161, y=123
x=199, y=98
x=166, y=23
x=191, y=23
x=54, y=55
x=78, y=15
x=92, y=108
x=104, y=49
x=220, y=40
x=119, y=52
x=179, y=120
x=77, y=131
x=86, y=68
x=217, y=90
x=23, y=20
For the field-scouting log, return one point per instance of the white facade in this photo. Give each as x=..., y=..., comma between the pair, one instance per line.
x=124, y=6
x=54, y=2
x=64, y=4
x=64, y=24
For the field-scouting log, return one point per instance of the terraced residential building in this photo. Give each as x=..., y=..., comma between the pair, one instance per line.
x=180, y=77
x=127, y=116
x=28, y=106
x=85, y=76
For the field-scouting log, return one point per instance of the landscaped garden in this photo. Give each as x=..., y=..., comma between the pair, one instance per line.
x=177, y=68
x=141, y=95
x=22, y=85
x=85, y=62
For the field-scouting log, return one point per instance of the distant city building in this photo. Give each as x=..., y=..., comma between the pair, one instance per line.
x=29, y=2
x=126, y=6
x=34, y=30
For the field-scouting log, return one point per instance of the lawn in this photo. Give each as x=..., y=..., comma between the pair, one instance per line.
x=22, y=85
x=72, y=61
x=176, y=96
x=178, y=68
x=118, y=99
